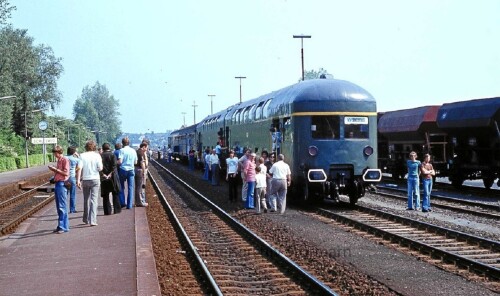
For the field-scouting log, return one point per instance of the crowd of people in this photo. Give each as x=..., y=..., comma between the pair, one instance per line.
x=264, y=179
x=99, y=171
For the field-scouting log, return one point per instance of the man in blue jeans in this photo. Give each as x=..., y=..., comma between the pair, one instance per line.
x=413, y=166
x=127, y=161
x=75, y=164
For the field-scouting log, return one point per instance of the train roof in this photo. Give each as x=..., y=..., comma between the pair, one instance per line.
x=408, y=120
x=474, y=113
x=318, y=94
x=314, y=95
x=185, y=130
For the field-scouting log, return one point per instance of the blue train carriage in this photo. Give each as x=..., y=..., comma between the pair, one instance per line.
x=473, y=129
x=182, y=140
x=327, y=130
x=403, y=131
x=333, y=128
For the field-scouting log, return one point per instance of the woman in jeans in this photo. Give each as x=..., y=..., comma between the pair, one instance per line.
x=427, y=172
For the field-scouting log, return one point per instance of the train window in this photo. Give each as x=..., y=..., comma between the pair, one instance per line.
x=356, y=127
x=246, y=114
x=236, y=117
x=242, y=116
x=251, y=115
x=258, y=111
x=265, y=109
x=325, y=127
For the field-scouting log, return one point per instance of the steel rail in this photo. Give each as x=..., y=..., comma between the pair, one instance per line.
x=23, y=216
x=192, y=250
x=9, y=201
x=263, y=246
x=455, y=201
x=461, y=261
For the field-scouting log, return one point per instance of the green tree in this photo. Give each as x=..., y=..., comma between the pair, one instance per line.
x=5, y=10
x=312, y=74
x=27, y=71
x=97, y=109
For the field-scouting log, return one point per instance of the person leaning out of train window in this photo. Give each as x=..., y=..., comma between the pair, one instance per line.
x=213, y=161
x=61, y=174
x=231, y=175
x=413, y=166
x=427, y=172
x=218, y=149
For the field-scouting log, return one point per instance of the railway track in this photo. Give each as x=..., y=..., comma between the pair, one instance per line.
x=452, y=250
x=481, y=209
x=233, y=259
x=16, y=209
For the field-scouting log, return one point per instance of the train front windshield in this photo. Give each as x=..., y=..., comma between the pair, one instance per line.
x=335, y=127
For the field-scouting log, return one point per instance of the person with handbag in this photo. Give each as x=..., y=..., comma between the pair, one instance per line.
x=110, y=181
x=61, y=175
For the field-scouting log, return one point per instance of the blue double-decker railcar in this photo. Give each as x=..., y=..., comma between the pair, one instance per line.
x=326, y=128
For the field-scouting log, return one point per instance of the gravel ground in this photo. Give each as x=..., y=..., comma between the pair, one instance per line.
x=353, y=264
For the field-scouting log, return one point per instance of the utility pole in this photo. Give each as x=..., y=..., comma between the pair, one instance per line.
x=194, y=112
x=211, y=104
x=240, y=77
x=302, y=50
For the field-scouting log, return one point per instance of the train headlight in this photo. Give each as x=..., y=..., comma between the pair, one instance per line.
x=313, y=150
x=368, y=150
x=316, y=175
x=372, y=175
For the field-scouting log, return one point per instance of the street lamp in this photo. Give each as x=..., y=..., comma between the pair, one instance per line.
x=97, y=132
x=194, y=112
x=211, y=104
x=302, y=49
x=68, y=125
x=26, y=134
x=240, y=77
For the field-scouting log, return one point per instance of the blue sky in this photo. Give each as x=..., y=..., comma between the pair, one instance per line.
x=159, y=57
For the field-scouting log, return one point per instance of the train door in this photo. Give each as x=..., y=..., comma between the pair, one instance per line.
x=281, y=135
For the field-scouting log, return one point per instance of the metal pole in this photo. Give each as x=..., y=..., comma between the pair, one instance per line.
x=26, y=139
x=211, y=104
x=240, y=77
x=194, y=112
x=43, y=146
x=184, y=117
x=302, y=50
x=302, y=56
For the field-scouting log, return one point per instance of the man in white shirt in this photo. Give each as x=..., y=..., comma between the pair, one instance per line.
x=91, y=166
x=213, y=161
x=279, y=184
x=231, y=175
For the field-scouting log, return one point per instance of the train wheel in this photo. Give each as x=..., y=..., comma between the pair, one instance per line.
x=488, y=182
x=304, y=193
x=354, y=193
x=457, y=182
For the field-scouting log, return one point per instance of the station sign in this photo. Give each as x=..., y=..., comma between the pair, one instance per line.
x=41, y=141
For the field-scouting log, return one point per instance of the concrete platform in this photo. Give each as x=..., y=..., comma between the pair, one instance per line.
x=113, y=258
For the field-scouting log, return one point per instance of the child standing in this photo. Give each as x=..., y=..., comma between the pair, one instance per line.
x=260, y=180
